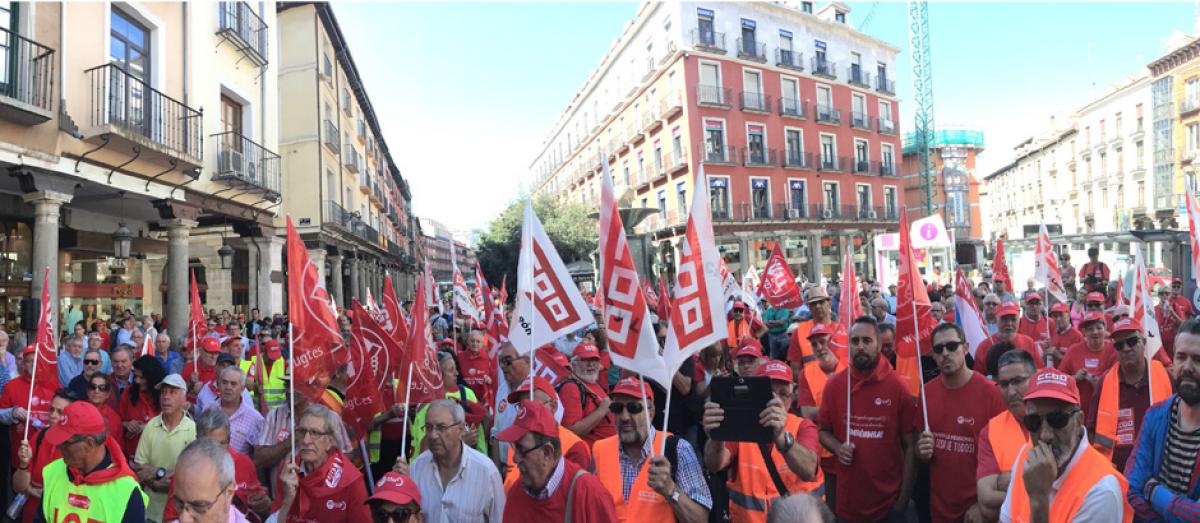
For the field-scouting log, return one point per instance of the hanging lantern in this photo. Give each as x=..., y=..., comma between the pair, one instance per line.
x=122, y=240
x=226, y=254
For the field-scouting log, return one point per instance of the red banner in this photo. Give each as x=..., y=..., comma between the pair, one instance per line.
x=912, y=301
x=197, y=324
x=418, y=365
x=46, y=374
x=662, y=307
x=315, y=334
x=849, y=303
x=394, y=322
x=1000, y=267
x=778, y=284
x=371, y=351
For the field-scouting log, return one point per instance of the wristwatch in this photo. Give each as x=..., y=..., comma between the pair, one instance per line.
x=675, y=494
x=788, y=441
x=160, y=473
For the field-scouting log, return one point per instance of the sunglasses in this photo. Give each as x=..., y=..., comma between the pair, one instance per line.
x=1057, y=420
x=400, y=514
x=1127, y=343
x=98, y=387
x=949, y=346
x=618, y=408
x=91, y=362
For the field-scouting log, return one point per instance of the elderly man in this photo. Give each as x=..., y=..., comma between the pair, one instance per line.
x=15, y=399
x=244, y=420
x=1063, y=335
x=799, y=507
x=235, y=332
x=250, y=494
x=1059, y=476
x=799, y=349
x=322, y=485
x=585, y=404
x=551, y=488
x=477, y=368
x=574, y=449
x=92, y=363
x=646, y=488
x=792, y=456
x=122, y=374
x=879, y=308
x=959, y=400
x=210, y=392
x=515, y=370
x=1162, y=474
x=207, y=491
x=95, y=342
x=1003, y=436
x=1124, y=393
x=457, y=482
x=747, y=357
x=170, y=359
x=1006, y=314
x=1033, y=322
x=274, y=442
x=990, y=303
x=108, y=485
x=70, y=359
x=163, y=437
x=811, y=380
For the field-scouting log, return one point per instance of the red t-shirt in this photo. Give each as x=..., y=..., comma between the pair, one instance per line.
x=475, y=370
x=244, y=474
x=882, y=412
x=955, y=418
x=591, y=502
x=575, y=409
x=1065, y=340
x=1021, y=341
x=1034, y=329
x=1080, y=357
x=142, y=411
x=16, y=394
x=1097, y=269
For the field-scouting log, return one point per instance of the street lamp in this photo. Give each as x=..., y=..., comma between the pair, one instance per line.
x=226, y=254
x=122, y=240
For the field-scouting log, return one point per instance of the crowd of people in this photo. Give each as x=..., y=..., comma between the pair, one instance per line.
x=1058, y=415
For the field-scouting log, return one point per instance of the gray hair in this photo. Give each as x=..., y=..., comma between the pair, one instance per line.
x=799, y=507
x=215, y=453
x=74, y=338
x=211, y=420
x=444, y=356
x=332, y=421
x=456, y=411
x=163, y=335
x=241, y=378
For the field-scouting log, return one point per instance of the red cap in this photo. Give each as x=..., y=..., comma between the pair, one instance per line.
x=446, y=342
x=78, y=419
x=739, y=305
x=1032, y=296
x=1092, y=317
x=211, y=345
x=1126, y=325
x=273, y=349
x=30, y=349
x=1176, y=280
x=1053, y=384
x=999, y=277
x=819, y=330
x=1094, y=297
x=749, y=347
x=539, y=383
x=633, y=388
x=586, y=350
x=531, y=417
x=1060, y=307
x=776, y=370
x=559, y=357
x=1007, y=308
x=396, y=488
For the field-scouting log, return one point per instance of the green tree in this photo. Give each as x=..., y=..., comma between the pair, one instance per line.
x=571, y=230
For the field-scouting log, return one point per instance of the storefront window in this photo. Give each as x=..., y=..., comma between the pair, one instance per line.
x=100, y=286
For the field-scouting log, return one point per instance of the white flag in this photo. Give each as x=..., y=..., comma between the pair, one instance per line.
x=1193, y=211
x=750, y=286
x=1142, y=306
x=548, y=303
x=697, y=312
x=1045, y=267
x=632, y=344
x=730, y=289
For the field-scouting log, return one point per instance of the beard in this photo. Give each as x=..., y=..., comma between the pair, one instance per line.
x=1188, y=388
x=865, y=361
x=632, y=436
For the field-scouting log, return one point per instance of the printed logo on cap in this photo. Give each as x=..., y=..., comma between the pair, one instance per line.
x=396, y=480
x=521, y=411
x=1052, y=378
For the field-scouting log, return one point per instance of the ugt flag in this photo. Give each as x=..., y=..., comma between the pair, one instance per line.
x=371, y=352
x=315, y=334
x=548, y=303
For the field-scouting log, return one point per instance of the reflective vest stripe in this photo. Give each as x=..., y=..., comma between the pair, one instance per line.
x=1007, y=438
x=1108, y=410
x=737, y=331
x=644, y=504
x=751, y=486
x=1088, y=470
x=65, y=501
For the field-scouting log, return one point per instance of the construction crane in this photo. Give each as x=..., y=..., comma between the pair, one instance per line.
x=923, y=132
x=862, y=28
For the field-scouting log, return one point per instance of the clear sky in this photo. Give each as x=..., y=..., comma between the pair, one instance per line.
x=466, y=92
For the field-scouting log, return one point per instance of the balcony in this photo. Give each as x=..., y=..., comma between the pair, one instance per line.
x=789, y=59
x=612, y=149
x=832, y=163
x=827, y=114
x=757, y=157
x=755, y=102
x=885, y=86
x=128, y=109
x=834, y=212
x=1189, y=106
x=241, y=161
x=887, y=169
x=885, y=126
x=710, y=41
x=797, y=160
x=862, y=166
x=824, y=68
x=713, y=96
x=366, y=232
x=651, y=121
x=857, y=77
x=332, y=139
x=792, y=108
x=337, y=216
x=724, y=155
x=243, y=28
x=377, y=193
x=649, y=68
x=751, y=50
x=679, y=162
x=351, y=160
x=859, y=120
x=26, y=96
x=364, y=183
x=670, y=105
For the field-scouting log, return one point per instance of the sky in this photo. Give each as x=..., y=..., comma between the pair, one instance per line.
x=466, y=92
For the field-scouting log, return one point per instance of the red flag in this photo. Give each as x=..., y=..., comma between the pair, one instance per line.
x=197, y=325
x=651, y=295
x=147, y=347
x=483, y=297
x=849, y=304
x=911, y=298
x=315, y=334
x=46, y=369
x=393, y=322
x=1000, y=267
x=662, y=307
x=418, y=362
x=372, y=349
x=1121, y=297
x=503, y=293
x=778, y=284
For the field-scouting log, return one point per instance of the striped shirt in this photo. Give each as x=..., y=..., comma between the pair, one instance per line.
x=688, y=474
x=473, y=494
x=1180, y=456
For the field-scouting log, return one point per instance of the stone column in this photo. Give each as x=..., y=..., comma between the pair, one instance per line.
x=317, y=256
x=814, y=243
x=270, y=263
x=355, y=278
x=335, y=279
x=178, y=279
x=744, y=261
x=46, y=206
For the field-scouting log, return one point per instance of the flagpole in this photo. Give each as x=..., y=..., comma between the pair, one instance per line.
x=362, y=446
x=196, y=355
x=850, y=374
x=920, y=366
x=646, y=409
x=662, y=448
x=1049, y=337
x=407, y=401
x=292, y=389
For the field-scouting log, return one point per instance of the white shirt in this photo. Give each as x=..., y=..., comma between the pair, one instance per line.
x=207, y=398
x=474, y=494
x=1104, y=501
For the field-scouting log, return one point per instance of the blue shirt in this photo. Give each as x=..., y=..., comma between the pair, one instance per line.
x=68, y=366
x=688, y=474
x=172, y=363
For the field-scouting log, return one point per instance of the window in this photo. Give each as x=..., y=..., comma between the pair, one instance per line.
x=797, y=197
x=1191, y=91
x=658, y=157
x=641, y=165
x=839, y=17
x=889, y=203
x=831, y=197
x=749, y=45
x=1193, y=138
x=704, y=24
x=1141, y=194
x=231, y=137
x=807, y=7
x=881, y=75
x=789, y=93
x=828, y=152
x=858, y=111
x=662, y=204
x=680, y=197
x=1140, y=147
x=718, y=194
x=714, y=140
x=863, y=194
x=861, y=156
x=856, y=72
x=129, y=48
x=752, y=91
x=1138, y=112
x=825, y=109
x=785, y=43
x=760, y=197
x=710, y=84
x=330, y=184
x=677, y=148
x=756, y=152
x=819, y=56
x=327, y=70
x=795, y=147
x=887, y=160
x=886, y=124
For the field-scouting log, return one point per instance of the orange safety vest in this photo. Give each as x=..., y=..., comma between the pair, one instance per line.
x=1091, y=467
x=566, y=438
x=1110, y=404
x=737, y=331
x=816, y=378
x=644, y=504
x=751, y=490
x=1007, y=438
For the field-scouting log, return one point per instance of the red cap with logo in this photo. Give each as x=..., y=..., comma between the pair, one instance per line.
x=819, y=330
x=211, y=345
x=274, y=351
x=1052, y=384
x=586, y=350
x=1126, y=325
x=1094, y=297
x=1093, y=316
x=78, y=419
x=539, y=383
x=749, y=347
x=396, y=488
x=1007, y=308
x=29, y=349
x=531, y=417
x=633, y=388
x=776, y=370
x=1032, y=297
x=1060, y=307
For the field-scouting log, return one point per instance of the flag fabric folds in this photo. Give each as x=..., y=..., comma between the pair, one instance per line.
x=778, y=284
x=999, y=266
x=1045, y=267
x=372, y=351
x=46, y=369
x=548, y=303
x=315, y=334
x=849, y=304
x=418, y=368
x=966, y=314
x=1141, y=305
x=914, y=319
x=464, y=301
x=197, y=324
x=1193, y=213
x=392, y=318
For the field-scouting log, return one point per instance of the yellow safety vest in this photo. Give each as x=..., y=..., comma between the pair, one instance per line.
x=66, y=502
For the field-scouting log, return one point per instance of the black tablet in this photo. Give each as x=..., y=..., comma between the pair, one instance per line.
x=743, y=400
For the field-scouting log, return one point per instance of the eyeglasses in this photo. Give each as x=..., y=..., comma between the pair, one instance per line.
x=198, y=508
x=1127, y=343
x=1035, y=303
x=400, y=514
x=506, y=361
x=949, y=346
x=438, y=429
x=991, y=303
x=91, y=362
x=1013, y=382
x=304, y=433
x=524, y=453
x=618, y=408
x=1057, y=420
x=100, y=387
